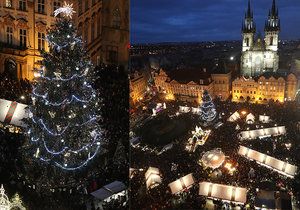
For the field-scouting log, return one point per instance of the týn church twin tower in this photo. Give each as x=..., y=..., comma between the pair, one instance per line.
x=258, y=55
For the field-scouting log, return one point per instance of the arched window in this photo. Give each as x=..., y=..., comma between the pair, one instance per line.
x=79, y=31
x=86, y=31
x=247, y=42
x=79, y=7
x=93, y=21
x=99, y=23
x=271, y=40
x=116, y=18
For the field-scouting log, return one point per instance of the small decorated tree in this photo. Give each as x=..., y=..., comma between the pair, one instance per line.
x=63, y=125
x=207, y=108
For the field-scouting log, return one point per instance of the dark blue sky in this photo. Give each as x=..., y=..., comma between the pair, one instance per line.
x=205, y=20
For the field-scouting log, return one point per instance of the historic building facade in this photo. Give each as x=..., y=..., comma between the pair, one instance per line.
x=263, y=89
x=192, y=89
x=260, y=55
x=138, y=84
x=103, y=24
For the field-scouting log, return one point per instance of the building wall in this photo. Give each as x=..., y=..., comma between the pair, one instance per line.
x=138, y=86
x=104, y=25
x=264, y=89
x=33, y=22
x=222, y=85
x=255, y=63
x=185, y=92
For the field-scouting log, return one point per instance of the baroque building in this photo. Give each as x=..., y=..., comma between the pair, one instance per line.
x=264, y=88
x=188, y=85
x=138, y=83
x=103, y=24
x=260, y=55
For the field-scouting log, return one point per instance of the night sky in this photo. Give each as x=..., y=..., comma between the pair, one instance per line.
x=155, y=21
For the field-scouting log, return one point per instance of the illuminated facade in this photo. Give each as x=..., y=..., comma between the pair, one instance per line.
x=222, y=85
x=138, y=86
x=104, y=26
x=264, y=89
x=258, y=55
x=189, y=90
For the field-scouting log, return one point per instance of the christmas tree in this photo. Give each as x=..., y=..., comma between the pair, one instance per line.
x=207, y=108
x=63, y=122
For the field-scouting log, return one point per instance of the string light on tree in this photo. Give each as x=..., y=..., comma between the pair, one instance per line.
x=64, y=129
x=207, y=108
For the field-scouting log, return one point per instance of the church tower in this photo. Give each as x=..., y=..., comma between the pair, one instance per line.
x=272, y=28
x=248, y=29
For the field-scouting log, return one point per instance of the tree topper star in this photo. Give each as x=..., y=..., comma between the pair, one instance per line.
x=67, y=10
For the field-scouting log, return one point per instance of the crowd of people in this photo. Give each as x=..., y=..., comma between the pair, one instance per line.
x=248, y=173
x=14, y=90
x=43, y=186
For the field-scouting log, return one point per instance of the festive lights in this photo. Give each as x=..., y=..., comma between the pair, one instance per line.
x=63, y=132
x=208, y=111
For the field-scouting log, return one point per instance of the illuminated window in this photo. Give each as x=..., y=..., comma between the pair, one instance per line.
x=8, y=3
x=41, y=6
x=9, y=35
x=23, y=38
x=22, y=5
x=41, y=41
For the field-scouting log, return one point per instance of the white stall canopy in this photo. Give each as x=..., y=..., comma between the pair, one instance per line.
x=277, y=165
x=223, y=192
x=182, y=184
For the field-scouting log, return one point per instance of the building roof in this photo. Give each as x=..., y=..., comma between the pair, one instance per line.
x=185, y=76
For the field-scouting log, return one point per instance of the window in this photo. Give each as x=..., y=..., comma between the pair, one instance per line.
x=22, y=5
x=271, y=40
x=86, y=31
x=41, y=6
x=247, y=42
x=56, y=5
x=112, y=56
x=116, y=19
x=99, y=24
x=9, y=35
x=8, y=3
x=80, y=7
x=86, y=5
x=93, y=28
x=41, y=41
x=23, y=38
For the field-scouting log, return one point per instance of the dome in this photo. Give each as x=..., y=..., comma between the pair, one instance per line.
x=213, y=158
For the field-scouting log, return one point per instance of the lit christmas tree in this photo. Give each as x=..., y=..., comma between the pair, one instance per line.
x=63, y=123
x=207, y=108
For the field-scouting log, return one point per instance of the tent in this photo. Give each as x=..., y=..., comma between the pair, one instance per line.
x=109, y=190
x=182, y=184
x=12, y=112
x=250, y=119
x=268, y=161
x=261, y=133
x=152, y=177
x=223, y=192
x=235, y=116
x=264, y=118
